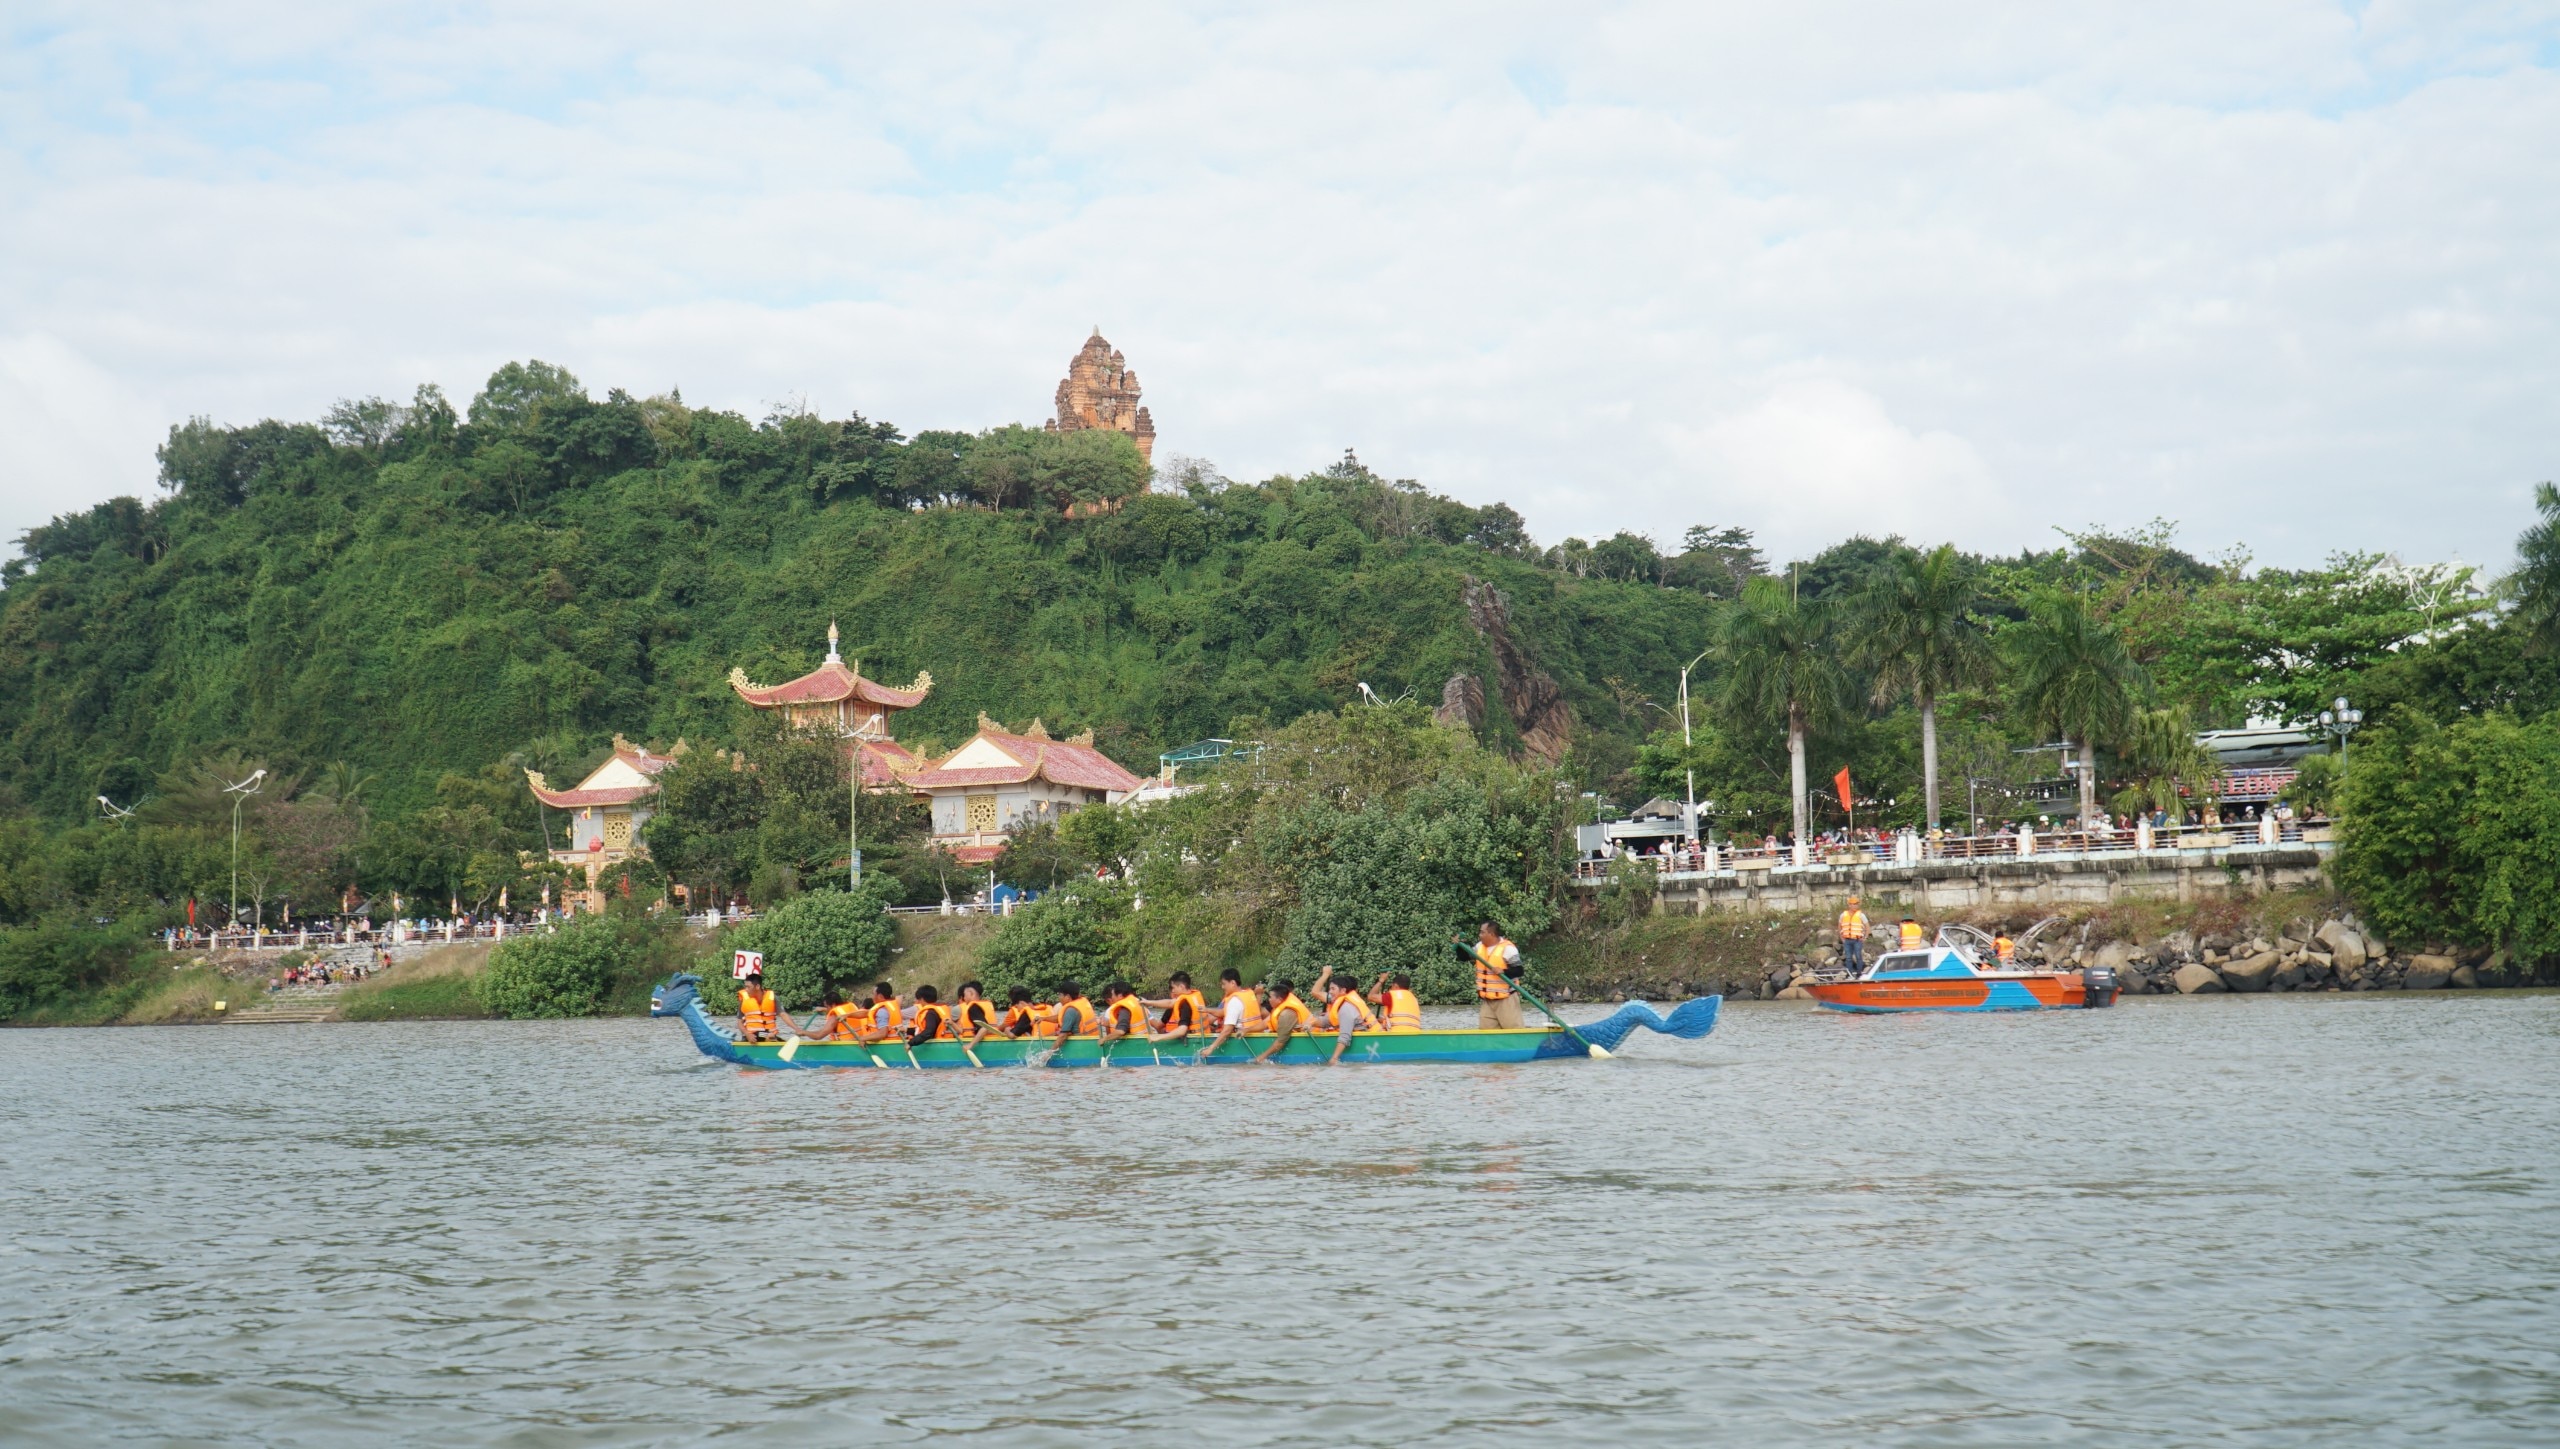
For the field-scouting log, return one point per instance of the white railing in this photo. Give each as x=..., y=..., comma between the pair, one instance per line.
x=1910, y=848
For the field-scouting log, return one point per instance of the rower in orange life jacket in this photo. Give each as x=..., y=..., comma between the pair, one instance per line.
x=1394, y=998
x=1075, y=1014
x=1021, y=1016
x=931, y=1021
x=757, y=1014
x=975, y=1016
x=1182, y=1010
x=882, y=1021
x=1497, y=963
x=1289, y=1016
x=1240, y=1012
x=844, y=1019
x=1123, y=1014
x=1345, y=1013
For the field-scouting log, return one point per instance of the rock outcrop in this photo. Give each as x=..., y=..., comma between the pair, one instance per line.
x=1529, y=694
x=2255, y=973
x=1461, y=702
x=2194, y=979
x=2427, y=973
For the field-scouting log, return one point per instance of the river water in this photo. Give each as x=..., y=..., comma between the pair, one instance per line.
x=2294, y=1220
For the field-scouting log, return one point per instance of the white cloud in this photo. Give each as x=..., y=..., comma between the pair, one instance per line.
x=2281, y=270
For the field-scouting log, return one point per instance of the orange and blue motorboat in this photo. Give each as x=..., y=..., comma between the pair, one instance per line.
x=1959, y=973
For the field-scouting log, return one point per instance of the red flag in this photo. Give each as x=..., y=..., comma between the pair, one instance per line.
x=191, y=913
x=1842, y=780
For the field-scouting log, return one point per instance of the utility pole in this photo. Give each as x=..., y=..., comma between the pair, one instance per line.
x=1686, y=768
x=239, y=793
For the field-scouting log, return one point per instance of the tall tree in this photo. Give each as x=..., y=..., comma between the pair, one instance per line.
x=2536, y=581
x=1780, y=666
x=1919, y=635
x=2074, y=675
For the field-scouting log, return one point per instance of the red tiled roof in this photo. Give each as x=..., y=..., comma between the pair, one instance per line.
x=1057, y=761
x=886, y=762
x=623, y=750
x=830, y=682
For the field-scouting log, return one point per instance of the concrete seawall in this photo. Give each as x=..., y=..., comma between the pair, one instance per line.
x=1942, y=886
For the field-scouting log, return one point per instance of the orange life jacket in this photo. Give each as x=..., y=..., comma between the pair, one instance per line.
x=1128, y=1014
x=2007, y=949
x=755, y=1011
x=1253, y=1020
x=931, y=1022
x=1186, y=1009
x=887, y=1023
x=1912, y=940
x=1853, y=925
x=842, y=1019
x=1290, y=1003
x=1404, y=1010
x=976, y=1015
x=1333, y=1013
x=1491, y=984
x=1044, y=1019
x=1087, y=1024
x=1022, y=1019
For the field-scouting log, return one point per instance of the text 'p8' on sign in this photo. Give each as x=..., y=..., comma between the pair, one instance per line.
x=743, y=964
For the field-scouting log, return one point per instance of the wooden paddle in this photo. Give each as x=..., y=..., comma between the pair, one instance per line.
x=1588, y=1044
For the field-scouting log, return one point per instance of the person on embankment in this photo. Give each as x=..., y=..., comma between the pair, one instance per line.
x=1497, y=962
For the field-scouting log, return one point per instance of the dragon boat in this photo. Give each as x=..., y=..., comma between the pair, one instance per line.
x=679, y=998
x=1951, y=975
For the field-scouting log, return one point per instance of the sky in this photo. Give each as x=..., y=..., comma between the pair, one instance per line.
x=2284, y=273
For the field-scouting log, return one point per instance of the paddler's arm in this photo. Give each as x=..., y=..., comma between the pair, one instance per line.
x=1286, y=1030
x=1224, y=1033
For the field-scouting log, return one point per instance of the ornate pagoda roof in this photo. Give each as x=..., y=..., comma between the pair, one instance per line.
x=628, y=775
x=829, y=683
x=1021, y=758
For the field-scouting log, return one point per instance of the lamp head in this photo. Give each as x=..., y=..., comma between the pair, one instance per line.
x=2342, y=704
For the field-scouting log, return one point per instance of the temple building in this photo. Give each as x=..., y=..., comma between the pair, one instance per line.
x=1100, y=392
x=1000, y=781
x=606, y=813
x=836, y=698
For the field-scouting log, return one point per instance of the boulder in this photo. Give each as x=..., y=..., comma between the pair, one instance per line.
x=1795, y=993
x=2428, y=973
x=2253, y=973
x=2345, y=946
x=2198, y=980
x=2116, y=955
x=2465, y=977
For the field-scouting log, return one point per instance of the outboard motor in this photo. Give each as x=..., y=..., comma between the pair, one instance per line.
x=2098, y=986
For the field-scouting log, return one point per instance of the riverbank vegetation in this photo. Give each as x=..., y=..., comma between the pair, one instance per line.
x=397, y=610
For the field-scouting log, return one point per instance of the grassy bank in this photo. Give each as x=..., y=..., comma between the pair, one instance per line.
x=434, y=986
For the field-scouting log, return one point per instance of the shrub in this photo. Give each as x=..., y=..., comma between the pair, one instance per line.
x=2452, y=832
x=63, y=963
x=814, y=945
x=560, y=973
x=1057, y=938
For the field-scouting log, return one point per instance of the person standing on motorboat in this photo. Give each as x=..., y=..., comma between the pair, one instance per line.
x=1853, y=938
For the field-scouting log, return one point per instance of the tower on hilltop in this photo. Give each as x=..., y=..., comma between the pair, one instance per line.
x=1100, y=391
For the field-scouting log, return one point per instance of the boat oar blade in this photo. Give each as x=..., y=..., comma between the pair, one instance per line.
x=791, y=1048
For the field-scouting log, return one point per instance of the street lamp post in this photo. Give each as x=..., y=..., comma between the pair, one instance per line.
x=239, y=791
x=2341, y=721
x=1687, y=769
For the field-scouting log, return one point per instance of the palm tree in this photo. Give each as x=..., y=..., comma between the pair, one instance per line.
x=2536, y=581
x=1780, y=666
x=2074, y=675
x=2161, y=747
x=1920, y=636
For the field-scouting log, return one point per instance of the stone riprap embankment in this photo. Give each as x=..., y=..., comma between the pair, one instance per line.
x=2333, y=953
